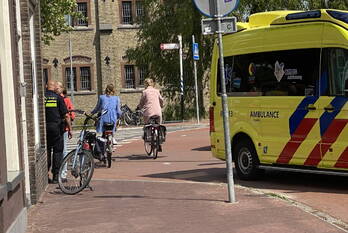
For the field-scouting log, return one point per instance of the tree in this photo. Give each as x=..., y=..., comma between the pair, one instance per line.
x=165, y=19
x=162, y=23
x=53, y=21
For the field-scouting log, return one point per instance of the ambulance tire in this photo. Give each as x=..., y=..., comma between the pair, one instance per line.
x=246, y=160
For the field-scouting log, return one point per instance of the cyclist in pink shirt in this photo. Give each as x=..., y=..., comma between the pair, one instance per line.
x=151, y=101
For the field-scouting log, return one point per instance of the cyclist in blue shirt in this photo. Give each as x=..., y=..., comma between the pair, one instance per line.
x=110, y=103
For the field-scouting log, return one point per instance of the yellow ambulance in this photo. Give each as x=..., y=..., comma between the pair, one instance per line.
x=287, y=85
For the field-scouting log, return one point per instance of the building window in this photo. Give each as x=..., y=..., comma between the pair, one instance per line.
x=83, y=7
x=46, y=73
x=85, y=78
x=142, y=75
x=82, y=75
x=67, y=78
x=139, y=9
x=131, y=10
x=133, y=77
x=129, y=76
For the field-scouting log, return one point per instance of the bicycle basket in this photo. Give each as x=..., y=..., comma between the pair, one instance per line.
x=147, y=133
x=162, y=133
x=90, y=137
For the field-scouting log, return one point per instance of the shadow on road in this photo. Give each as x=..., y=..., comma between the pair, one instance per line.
x=290, y=182
x=293, y=182
x=158, y=198
x=200, y=175
x=204, y=148
x=137, y=157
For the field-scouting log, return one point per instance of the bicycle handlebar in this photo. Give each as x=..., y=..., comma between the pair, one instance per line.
x=79, y=111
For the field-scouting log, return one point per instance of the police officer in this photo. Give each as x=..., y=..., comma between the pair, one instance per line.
x=56, y=116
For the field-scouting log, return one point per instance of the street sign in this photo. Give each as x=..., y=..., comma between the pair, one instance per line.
x=210, y=26
x=195, y=51
x=208, y=7
x=169, y=46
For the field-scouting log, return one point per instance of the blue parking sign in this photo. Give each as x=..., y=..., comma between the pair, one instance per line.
x=195, y=51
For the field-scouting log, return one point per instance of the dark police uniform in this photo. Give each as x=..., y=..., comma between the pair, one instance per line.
x=55, y=113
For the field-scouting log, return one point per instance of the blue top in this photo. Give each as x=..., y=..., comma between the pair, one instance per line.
x=112, y=104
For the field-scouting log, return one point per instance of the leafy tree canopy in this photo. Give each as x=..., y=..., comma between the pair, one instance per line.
x=53, y=21
x=165, y=19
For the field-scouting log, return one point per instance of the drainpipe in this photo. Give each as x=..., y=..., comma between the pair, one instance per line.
x=98, y=49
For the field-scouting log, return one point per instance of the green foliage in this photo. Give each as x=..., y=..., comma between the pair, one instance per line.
x=52, y=17
x=162, y=24
x=165, y=19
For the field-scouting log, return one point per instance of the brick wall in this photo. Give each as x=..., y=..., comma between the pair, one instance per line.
x=36, y=153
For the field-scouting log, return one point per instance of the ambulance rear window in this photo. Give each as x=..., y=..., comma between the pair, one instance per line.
x=339, y=15
x=304, y=15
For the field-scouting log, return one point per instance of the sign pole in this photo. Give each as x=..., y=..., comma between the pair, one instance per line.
x=196, y=86
x=181, y=78
x=231, y=194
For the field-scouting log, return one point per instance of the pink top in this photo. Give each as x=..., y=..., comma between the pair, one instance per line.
x=151, y=102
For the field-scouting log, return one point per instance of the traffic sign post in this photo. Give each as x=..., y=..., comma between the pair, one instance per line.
x=169, y=46
x=195, y=50
x=209, y=7
x=181, y=77
x=195, y=53
x=210, y=26
x=218, y=9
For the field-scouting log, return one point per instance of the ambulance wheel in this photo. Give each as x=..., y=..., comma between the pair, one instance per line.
x=246, y=160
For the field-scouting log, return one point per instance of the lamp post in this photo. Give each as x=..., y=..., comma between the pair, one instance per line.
x=71, y=78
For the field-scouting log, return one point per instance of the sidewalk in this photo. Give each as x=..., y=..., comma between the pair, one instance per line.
x=159, y=207
x=183, y=191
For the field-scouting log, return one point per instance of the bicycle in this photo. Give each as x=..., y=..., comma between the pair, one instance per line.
x=77, y=167
x=129, y=117
x=154, y=136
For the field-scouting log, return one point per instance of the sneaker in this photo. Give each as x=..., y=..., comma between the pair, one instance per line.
x=114, y=141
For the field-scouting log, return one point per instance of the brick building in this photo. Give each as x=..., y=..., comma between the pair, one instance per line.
x=23, y=163
x=116, y=32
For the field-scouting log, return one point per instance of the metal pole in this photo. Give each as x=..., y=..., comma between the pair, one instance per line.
x=196, y=86
x=181, y=78
x=71, y=65
x=231, y=194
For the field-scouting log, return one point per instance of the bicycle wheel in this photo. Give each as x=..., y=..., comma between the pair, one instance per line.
x=76, y=172
x=109, y=150
x=155, y=144
x=128, y=118
x=148, y=147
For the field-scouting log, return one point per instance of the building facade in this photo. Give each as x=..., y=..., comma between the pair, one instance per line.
x=98, y=46
x=23, y=163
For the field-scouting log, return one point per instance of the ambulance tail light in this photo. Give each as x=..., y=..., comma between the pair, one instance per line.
x=211, y=119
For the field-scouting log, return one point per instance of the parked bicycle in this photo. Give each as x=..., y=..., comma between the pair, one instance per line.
x=130, y=117
x=77, y=168
x=154, y=137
